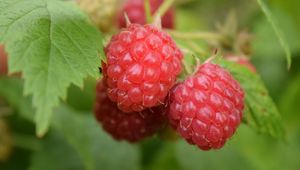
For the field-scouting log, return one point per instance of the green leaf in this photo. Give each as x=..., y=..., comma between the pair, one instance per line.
x=53, y=44
x=277, y=31
x=260, y=112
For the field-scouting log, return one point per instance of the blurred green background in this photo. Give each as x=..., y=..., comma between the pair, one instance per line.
x=76, y=141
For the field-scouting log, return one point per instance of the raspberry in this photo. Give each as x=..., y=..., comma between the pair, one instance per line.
x=131, y=127
x=136, y=13
x=142, y=65
x=3, y=61
x=244, y=61
x=207, y=108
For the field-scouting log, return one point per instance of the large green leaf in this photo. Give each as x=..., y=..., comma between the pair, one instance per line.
x=53, y=44
x=261, y=112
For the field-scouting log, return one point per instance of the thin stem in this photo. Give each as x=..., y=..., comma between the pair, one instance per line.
x=196, y=48
x=164, y=8
x=148, y=11
x=196, y=35
x=187, y=67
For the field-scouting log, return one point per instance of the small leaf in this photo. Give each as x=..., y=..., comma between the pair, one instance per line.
x=54, y=45
x=277, y=31
x=261, y=112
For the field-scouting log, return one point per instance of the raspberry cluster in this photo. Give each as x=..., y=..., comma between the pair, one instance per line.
x=138, y=94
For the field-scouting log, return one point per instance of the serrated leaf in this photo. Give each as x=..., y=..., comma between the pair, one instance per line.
x=53, y=44
x=261, y=112
x=277, y=31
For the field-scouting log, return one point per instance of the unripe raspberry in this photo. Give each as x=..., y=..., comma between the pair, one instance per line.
x=207, y=108
x=3, y=61
x=142, y=65
x=136, y=13
x=101, y=12
x=131, y=127
x=242, y=60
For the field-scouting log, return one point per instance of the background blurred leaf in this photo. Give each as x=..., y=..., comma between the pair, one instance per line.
x=55, y=154
x=53, y=44
x=289, y=103
x=166, y=158
x=96, y=149
x=277, y=30
x=12, y=91
x=82, y=99
x=191, y=158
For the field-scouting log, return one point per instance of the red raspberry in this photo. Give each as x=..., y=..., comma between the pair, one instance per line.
x=131, y=127
x=207, y=108
x=142, y=65
x=244, y=61
x=136, y=13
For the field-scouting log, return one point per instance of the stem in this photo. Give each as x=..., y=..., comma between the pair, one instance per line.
x=163, y=8
x=196, y=48
x=187, y=67
x=26, y=142
x=196, y=35
x=148, y=11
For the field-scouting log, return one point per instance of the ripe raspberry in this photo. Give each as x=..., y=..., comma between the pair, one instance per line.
x=136, y=13
x=142, y=65
x=207, y=108
x=244, y=61
x=3, y=61
x=131, y=127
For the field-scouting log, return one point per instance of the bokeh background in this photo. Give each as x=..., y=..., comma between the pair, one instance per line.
x=76, y=141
